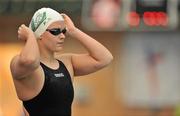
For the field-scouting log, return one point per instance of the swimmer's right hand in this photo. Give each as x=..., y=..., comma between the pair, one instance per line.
x=24, y=33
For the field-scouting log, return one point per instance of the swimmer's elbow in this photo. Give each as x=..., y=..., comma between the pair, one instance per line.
x=29, y=61
x=106, y=61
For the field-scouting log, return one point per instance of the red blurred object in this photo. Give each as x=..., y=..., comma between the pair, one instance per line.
x=149, y=19
x=133, y=19
x=155, y=18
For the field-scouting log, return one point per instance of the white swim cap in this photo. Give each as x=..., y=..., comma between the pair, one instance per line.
x=42, y=18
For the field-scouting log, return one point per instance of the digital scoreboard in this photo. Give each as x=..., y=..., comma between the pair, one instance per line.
x=130, y=15
x=152, y=15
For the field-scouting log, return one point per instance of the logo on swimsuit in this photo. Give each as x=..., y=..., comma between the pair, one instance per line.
x=59, y=75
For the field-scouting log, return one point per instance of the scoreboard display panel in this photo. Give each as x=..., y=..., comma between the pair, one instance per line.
x=152, y=15
x=130, y=15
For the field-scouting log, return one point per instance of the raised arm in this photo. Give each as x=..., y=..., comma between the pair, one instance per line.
x=96, y=58
x=29, y=58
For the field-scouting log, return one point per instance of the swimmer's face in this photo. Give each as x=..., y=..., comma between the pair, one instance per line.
x=54, y=36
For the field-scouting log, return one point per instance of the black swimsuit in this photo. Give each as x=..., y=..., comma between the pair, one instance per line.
x=56, y=96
